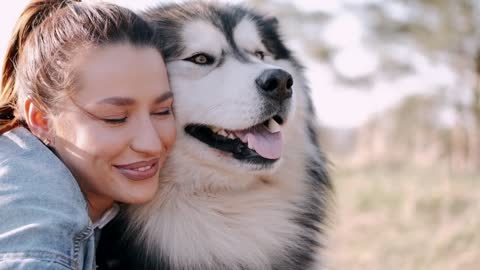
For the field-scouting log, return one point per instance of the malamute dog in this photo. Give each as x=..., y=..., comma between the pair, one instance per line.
x=246, y=187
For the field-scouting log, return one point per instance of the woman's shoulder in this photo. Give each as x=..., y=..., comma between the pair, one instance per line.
x=26, y=162
x=38, y=196
x=21, y=143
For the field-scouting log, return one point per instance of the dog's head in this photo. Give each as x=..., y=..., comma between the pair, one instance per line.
x=232, y=95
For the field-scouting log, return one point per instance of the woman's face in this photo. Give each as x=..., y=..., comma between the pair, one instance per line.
x=117, y=129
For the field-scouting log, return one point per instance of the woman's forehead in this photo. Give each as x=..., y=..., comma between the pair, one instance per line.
x=122, y=71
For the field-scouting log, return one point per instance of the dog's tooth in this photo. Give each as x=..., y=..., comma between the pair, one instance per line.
x=222, y=133
x=273, y=126
x=215, y=129
x=231, y=136
x=249, y=146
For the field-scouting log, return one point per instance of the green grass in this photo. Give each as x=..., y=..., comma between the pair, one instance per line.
x=409, y=219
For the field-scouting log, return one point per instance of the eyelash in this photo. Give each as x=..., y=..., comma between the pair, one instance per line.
x=165, y=112
x=115, y=121
x=118, y=121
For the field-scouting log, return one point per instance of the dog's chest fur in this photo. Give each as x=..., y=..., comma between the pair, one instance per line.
x=260, y=227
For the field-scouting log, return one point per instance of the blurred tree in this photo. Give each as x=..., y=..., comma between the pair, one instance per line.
x=449, y=31
x=476, y=104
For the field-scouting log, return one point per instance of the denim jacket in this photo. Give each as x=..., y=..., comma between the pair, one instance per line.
x=44, y=222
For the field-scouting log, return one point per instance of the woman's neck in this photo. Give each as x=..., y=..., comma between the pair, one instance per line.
x=97, y=207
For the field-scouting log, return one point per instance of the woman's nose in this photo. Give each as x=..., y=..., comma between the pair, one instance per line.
x=147, y=139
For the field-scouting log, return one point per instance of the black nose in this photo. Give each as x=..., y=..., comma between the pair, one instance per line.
x=275, y=84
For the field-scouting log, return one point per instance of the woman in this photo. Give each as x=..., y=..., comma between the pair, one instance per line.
x=86, y=121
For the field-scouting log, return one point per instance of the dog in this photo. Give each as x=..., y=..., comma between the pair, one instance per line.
x=247, y=186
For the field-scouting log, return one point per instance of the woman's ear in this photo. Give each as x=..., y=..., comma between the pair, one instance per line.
x=37, y=121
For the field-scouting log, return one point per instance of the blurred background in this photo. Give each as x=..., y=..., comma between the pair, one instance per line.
x=396, y=88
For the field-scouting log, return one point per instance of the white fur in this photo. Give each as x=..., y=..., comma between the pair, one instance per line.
x=211, y=207
x=246, y=36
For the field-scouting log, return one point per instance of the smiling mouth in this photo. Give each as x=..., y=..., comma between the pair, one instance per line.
x=259, y=144
x=140, y=170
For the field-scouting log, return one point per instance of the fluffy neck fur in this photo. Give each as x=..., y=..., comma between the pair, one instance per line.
x=196, y=224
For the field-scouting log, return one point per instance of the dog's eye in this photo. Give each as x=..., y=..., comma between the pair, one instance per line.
x=201, y=59
x=260, y=54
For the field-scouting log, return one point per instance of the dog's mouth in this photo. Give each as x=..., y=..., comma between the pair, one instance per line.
x=261, y=143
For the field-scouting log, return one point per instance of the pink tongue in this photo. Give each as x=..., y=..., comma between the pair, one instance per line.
x=266, y=144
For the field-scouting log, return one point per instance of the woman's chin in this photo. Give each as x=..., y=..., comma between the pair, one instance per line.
x=140, y=192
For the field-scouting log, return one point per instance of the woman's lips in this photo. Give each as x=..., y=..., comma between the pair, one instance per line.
x=139, y=170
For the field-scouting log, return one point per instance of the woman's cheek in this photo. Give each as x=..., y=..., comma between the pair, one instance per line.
x=168, y=133
x=102, y=142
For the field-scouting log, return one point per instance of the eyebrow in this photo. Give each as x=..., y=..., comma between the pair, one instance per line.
x=118, y=101
x=125, y=101
x=163, y=97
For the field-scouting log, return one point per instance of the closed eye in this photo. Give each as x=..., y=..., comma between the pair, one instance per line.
x=115, y=121
x=201, y=59
x=164, y=112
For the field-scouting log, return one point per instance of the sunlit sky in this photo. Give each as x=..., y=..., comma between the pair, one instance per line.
x=342, y=109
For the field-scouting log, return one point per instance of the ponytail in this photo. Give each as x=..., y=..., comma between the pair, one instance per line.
x=32, y=16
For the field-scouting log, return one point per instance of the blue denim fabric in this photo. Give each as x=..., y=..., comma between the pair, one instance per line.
x=44, y=222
